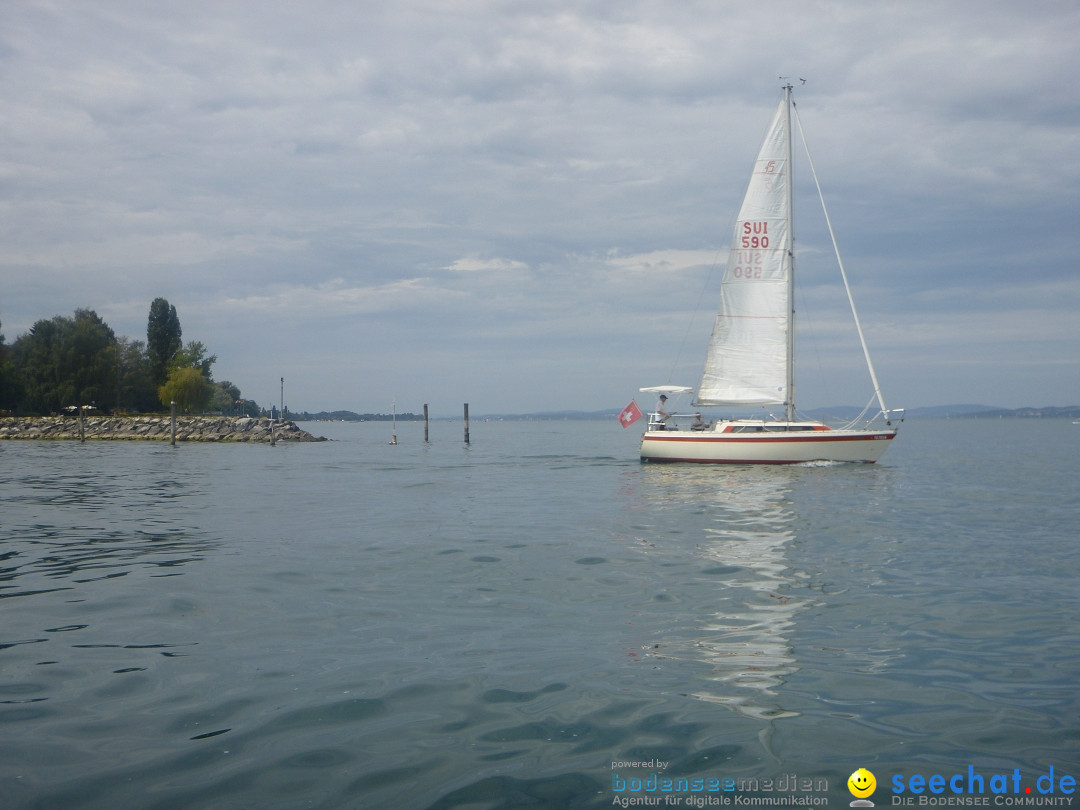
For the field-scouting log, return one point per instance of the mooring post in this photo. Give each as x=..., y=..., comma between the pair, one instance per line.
x=82, y=423
x=466, y=423
x=172, y=423
x=425, y=423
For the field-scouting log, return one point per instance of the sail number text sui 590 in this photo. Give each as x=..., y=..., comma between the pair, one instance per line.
x=755, y=235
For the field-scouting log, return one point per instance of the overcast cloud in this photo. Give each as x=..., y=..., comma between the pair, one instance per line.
x=525, y=205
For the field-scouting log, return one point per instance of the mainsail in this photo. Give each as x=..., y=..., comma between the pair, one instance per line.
x=749, y=356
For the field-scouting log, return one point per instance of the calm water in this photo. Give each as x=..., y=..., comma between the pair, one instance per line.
x=350, y=624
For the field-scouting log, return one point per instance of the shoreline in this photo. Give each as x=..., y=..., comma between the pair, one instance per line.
x=152, y=428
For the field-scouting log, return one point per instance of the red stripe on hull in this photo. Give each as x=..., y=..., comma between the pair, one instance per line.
x=819, y=439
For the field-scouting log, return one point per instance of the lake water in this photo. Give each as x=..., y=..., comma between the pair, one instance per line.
x=536, y=620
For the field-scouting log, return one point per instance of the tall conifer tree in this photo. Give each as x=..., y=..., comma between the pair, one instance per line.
x=162, y=338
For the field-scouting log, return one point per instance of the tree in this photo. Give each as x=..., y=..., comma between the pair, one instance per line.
x=224, y=397
x=162, y=338
x=90, y=360
x=249, y=407
x=193, y=355
x=10, y=390
x=137, y=391
x=188, y=388
x=36, y=355
x=66, y=361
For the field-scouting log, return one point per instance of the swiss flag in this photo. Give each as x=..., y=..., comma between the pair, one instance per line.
x=630, y=414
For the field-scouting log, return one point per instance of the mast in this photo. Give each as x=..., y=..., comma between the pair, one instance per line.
x=790, y=405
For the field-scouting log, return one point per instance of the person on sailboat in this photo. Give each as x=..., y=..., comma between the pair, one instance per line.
x=662, y=413
x=698, y=423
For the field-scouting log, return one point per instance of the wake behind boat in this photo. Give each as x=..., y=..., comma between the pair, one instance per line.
x=750, y=359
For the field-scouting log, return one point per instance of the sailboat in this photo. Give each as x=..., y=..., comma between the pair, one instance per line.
x=751, y=354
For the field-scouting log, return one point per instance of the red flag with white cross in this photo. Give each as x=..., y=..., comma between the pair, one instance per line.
x=630, y=414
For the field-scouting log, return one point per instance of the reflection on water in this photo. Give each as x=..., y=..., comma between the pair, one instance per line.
x=747, y=525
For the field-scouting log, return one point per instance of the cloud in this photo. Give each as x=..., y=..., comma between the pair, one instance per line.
x=475, y=265
x=540, y=192
x=335, y=298
x=658, y=263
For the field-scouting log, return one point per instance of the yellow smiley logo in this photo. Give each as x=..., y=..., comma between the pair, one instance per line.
x=861, y=783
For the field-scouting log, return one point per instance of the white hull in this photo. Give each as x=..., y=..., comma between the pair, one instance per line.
x=712, y=447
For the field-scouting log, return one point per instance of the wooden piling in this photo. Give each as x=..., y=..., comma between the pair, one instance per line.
x=172, y=424
x=466, y=423
x=82, y=423
x=425, y=422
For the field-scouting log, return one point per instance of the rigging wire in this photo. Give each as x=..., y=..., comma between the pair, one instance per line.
x=862, y=415
x=840, y=262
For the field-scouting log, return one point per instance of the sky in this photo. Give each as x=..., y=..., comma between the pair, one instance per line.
x=526, y=205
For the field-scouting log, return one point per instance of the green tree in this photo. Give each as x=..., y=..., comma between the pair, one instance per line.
x=248, y=407
x=10, y=390
x=162, y=338
x=188, y=388
x=193, y=355
x=90, y=360
x=224, y=397
x=36, y=356
x=66, y=361
x=135, y=380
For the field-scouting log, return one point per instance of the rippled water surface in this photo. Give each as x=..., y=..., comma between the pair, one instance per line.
x=354, y=624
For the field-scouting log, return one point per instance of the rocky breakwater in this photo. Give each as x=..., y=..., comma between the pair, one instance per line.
x=154, y=428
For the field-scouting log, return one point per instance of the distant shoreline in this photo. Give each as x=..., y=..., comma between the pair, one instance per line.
x=151, y=428
x=834, y=413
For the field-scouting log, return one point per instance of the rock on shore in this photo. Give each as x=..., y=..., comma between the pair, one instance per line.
x=154, y=428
